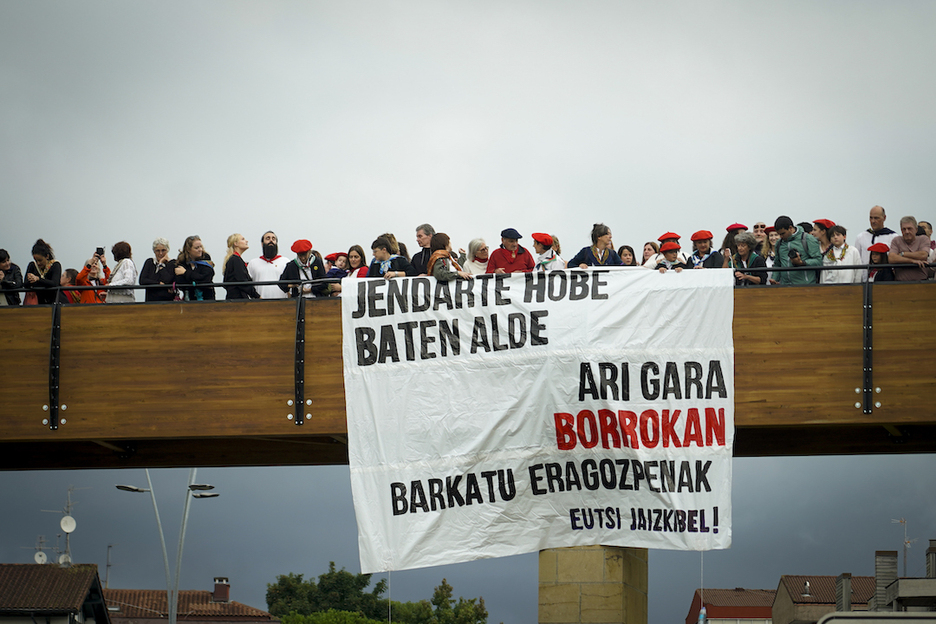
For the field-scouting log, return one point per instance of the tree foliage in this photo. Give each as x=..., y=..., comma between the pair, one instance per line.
x=340, y=597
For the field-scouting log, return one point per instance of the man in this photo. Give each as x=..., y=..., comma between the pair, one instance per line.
x=877, y=233
x=420, y=260
x=10, y=277
x=386, y=264
x=510, y=257
x=909, y=249
x=795, y=248
x=268, y=268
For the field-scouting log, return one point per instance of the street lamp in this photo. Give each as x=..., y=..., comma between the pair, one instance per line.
x=195, y=490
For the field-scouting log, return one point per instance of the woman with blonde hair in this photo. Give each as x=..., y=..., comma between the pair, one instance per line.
x=193, y=267
x=236, y=278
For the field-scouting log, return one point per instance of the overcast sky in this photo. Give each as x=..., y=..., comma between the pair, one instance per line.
x=338, y=121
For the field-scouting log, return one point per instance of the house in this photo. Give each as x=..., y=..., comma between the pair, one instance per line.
x=149, y=606
x=804, y=599
x=51, y=594
x=724, y=606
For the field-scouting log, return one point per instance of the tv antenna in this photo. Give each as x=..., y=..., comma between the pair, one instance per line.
x=40, y=556
x=67, y=524
x=906, y=542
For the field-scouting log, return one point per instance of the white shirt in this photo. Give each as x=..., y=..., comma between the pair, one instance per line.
x=844, y=276
x=262, y=271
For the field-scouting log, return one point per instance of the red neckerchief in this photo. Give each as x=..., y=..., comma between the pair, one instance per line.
x=268, y=261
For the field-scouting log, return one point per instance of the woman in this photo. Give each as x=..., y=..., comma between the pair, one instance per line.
x=43, y=274
x=651, y=254
x=703, y=256
x=878, y=255
x=728, y=247
x=747, y=258
x=628, y=257
x=547, y=259
x=477, y=257
x=600, y=253
x=94, y=273
x=235, y=270
x=124, y=274
x=840, y=253
x=160, y=269
x=357, y=266
x=441, y=265
x=767, y=249
x=194, y=267
x=820, y=230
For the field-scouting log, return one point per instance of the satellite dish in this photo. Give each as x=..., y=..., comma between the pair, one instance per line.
x=68, y=524
x=40, y=557
x=64, y=559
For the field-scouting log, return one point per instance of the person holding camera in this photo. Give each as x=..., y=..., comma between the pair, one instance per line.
x=94, y=273
x=798, y=249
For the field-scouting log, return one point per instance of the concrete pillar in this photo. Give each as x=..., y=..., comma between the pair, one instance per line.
x=595, y=584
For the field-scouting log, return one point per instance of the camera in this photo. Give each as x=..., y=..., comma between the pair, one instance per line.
x=99, y=251
x=793, y=254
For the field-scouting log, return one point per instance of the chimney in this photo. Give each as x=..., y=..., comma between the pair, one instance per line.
x=222, y=590
x=843, y=592
x=885, y=573
x=931, y=559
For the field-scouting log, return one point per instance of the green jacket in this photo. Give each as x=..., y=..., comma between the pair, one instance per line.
x=808, y=247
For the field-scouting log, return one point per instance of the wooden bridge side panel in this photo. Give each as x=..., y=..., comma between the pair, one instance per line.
x=176, y=370
x=24, y=346
x=905, y=352
x=798, y=355
x=189, y=370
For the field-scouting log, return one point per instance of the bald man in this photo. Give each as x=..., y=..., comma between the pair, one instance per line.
x=877, y=233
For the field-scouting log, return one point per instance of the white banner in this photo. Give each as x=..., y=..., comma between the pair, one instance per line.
x=512, y=413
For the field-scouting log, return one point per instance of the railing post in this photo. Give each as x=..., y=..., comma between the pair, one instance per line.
x=300, y=360
x=54, y=364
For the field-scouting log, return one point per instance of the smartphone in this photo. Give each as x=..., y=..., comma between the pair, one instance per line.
x=99, y=251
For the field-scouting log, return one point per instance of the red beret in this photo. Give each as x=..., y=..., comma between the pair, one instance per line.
x=701, y=235
x=301, y=246
x=663, y=237
x=543, y=239
x=333, y=257
x=670, y=246
x=879, y=247
x=770, y=229
x=735, y=226
x=825, y=223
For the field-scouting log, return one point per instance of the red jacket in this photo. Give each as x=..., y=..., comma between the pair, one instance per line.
x=91, y=296
x=519, y=261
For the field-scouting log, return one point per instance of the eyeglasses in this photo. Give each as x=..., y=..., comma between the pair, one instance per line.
x=485, y=248
x=760, y=226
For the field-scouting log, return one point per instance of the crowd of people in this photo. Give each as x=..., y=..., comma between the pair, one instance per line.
x=753, y=255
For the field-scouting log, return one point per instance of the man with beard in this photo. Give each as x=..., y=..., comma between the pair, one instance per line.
x=268, y=268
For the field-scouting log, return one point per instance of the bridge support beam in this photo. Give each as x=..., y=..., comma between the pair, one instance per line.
x=599, y=584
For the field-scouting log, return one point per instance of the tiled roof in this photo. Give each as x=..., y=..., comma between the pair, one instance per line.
x=44, y=587
x=822, y=589
x=738, y=597
x=193, y=604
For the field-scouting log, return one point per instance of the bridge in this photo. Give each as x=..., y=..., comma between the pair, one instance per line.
x=216, y=383
x=820, y=370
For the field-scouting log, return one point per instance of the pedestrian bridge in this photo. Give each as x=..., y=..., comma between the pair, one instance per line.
x=818, y=370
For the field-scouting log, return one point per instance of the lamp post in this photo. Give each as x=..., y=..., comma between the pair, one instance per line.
x=194, y=490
